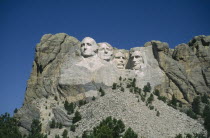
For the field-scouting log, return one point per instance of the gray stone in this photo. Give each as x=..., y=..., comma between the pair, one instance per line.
x=61, y=117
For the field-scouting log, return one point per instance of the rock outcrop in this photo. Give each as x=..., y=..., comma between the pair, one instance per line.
x=66, y=69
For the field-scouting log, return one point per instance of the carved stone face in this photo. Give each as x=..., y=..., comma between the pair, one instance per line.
x=120, y=60
x=89, y=47
x=136, y=60
x=105, y=51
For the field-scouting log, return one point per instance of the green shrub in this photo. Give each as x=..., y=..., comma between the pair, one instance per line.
x=147, y=88
x=196, y=105
x=114, y=86
x=36, y=128
x=150, y=99
x=16, y=110
x=142, y=98
x=82, y=102
x=133, y=84
x=130, y=134
x=122, y=89
x=102, y=91
x=57, y=136
x=204, y=99
x=73, y=128
x=108, y=128
x=191, y=114
x=151, y=107
x=60, y=125
x=206, y=111
x=53, y=124
x=9, y=127
x=206, y=115
x=162, y=98
x=77, y=117
x=93, y=98
x=157, y=92
x=158, y=113
x=56, y=98
x=65, y=134
x=69, y=107
x=128, y=86
x=174, y=100
x=179, y=136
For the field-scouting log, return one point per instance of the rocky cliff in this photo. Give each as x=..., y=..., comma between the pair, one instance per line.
x=65, y=69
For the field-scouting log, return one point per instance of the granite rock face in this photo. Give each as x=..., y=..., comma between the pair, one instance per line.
x=185, y=71
x=65, y=69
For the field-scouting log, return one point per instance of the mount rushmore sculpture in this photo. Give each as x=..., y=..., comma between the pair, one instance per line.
x=65, y=68
x=101, y=65
x=119, y=58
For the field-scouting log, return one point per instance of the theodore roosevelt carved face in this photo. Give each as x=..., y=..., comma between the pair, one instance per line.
x=105, y=51
x=89, y=47
x=120, y=59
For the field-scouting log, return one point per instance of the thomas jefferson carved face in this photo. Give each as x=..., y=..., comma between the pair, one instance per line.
x=120, y=60
x=136, y=60
x=105, y=51
x=89, y=47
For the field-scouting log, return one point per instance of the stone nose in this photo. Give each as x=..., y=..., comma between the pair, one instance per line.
x=85, y=46
x=121, y=60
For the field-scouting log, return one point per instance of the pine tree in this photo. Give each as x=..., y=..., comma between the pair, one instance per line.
x=93, y=98
x=36, y=128
x=147, y=88
x=130, y=133
x=196, y=105
x=114, y=86
x=157, y=92
x=65, y=134
x=72, y=128
x=158, y=113
x=174, y=100
x=77, y=117
x=16, y=110
x=52, y=125
x=101, y=91
x=134, y=82
x=204, y=99
x=150, y=99
x=57, y=136
x=9, y=127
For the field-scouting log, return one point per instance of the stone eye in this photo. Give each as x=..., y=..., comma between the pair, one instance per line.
x=88, y=44
x=83, y=44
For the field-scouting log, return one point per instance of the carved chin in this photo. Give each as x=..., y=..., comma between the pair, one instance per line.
x=88, y=54
x=120, y=66
x=106, y=57
x=136, y=67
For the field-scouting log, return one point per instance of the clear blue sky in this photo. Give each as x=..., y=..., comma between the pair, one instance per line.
x=122, y=23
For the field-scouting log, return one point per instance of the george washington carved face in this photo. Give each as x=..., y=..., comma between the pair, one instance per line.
x=89, y=47
x=105, y=51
